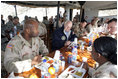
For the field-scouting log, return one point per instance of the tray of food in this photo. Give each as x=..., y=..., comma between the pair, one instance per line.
x=48, y=61
x=73, y=72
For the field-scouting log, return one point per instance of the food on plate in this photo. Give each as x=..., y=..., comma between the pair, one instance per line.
x=50, y=61
x=70, y=69
x=86, y=54
x=33, y=76
x=78, y=73
x=46, y=58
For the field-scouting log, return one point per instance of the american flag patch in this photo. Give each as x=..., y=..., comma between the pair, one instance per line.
x=10, y=46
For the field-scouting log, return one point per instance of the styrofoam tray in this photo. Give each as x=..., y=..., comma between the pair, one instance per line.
x=72, y=75
x=40, y=65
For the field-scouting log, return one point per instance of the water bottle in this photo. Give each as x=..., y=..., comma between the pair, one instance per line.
x=82, y=47
x=11, y=35
x=75, y=42
x=56, y=66
x=74, y=53
x=15, y=30
x=43, y=70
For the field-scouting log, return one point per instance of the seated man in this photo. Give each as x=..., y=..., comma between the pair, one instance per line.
x=22, y=52
x=112, y=28
x=80, y=29
x=104, y=52
x=93, y=26
x=9, y=24
x=42, y=29
x=13, y=28
x=63, y=36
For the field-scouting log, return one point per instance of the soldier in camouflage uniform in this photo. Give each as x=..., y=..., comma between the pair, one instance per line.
x=80, y=29
x=9, y=24
x=10, y=27
x=93, y=26
x=42, y=29
x=22, y=52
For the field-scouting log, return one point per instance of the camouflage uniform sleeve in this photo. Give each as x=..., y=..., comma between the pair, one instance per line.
x=76, y=30
x=42, y=24
x=13, y=60
x=42, y=30
x=88, y=28
x=42, y=48
x=91, y=71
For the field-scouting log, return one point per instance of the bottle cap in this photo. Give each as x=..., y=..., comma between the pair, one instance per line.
x=75, y=46
x=44, y=60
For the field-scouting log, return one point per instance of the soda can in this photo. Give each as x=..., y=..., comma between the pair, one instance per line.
x=70, y=58
x=61, y=57
x=90, y=43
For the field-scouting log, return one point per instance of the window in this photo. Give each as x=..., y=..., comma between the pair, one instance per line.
x=107, y=12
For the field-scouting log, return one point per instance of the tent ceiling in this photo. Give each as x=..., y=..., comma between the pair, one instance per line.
x=101, y=4
x=71, y=4
x=42, y=3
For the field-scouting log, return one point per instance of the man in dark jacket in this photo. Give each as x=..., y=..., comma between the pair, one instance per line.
x=63, y=36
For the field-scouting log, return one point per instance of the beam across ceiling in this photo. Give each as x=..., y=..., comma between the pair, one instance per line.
x=25, y=3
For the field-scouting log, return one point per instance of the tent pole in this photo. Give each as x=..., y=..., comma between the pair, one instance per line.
x=58, y=14
x=15, y=10
x=46, y=11
x=80, y=13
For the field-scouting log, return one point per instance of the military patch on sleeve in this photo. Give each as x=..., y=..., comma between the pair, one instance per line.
x=63, y=37
x=10, y=46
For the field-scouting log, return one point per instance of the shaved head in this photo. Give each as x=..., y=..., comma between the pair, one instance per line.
x=30, y=23
x=31, y=27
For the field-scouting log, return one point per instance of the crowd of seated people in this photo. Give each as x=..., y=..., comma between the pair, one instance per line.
x=18, y=37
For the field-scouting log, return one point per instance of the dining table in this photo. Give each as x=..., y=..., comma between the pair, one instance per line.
x=65, y=51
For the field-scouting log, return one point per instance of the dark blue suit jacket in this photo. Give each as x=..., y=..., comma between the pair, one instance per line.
x=59, y=38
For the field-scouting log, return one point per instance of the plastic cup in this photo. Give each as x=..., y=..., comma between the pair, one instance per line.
x=63, y=65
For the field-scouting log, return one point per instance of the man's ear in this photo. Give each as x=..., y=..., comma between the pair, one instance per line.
x=98, y=55
x=27, y=30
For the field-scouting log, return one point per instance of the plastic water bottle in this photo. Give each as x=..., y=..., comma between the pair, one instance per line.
x=43, y=70
x=75, y=42
x=15, y=30
x=74, y=54
x=56, y=66
x=11, y=35
x=82, y=47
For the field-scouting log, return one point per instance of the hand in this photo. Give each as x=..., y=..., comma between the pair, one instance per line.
x=67, y=43
x=36, y=60
x=85, y=33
